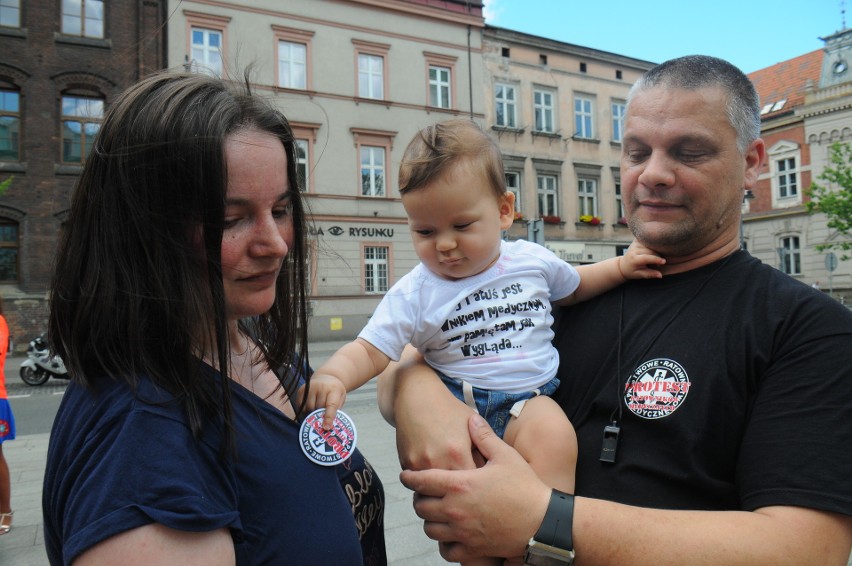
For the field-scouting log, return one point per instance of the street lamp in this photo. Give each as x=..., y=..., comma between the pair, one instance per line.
x=747, y=195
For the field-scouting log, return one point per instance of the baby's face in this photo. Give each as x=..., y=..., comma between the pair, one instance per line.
x=456, y=222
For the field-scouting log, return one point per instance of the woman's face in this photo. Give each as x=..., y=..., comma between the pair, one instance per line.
x=258, y=229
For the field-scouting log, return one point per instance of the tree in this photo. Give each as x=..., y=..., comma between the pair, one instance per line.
x=835, y=203
x=5, y=184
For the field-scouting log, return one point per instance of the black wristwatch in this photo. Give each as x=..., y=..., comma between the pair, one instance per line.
x=553, y=545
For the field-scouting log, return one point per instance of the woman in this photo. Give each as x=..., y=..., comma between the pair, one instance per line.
x=7, y=431
x=178, y=297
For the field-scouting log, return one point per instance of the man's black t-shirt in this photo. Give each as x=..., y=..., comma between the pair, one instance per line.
x=734, y=384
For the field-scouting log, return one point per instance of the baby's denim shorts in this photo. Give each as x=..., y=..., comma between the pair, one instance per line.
x=495, y=406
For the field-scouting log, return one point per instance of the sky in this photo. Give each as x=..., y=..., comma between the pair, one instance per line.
x=751, y=34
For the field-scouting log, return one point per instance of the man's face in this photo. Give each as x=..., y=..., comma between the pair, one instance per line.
x=682, y=174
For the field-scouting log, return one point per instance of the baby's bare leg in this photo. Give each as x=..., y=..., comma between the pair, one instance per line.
x=543, y=435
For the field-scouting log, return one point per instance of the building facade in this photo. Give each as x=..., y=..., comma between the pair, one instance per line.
x=806, y=103
x=557, y=111
x=62, y=62
x=357, y=79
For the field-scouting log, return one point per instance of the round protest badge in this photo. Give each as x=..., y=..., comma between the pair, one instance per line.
x=327, y=447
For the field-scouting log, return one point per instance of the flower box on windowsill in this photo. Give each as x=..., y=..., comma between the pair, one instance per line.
x=622, y=221
x=591, y=220
x=551, y=219
x=519, y=216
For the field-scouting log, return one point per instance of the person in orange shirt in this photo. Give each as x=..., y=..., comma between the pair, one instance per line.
x=7, y=431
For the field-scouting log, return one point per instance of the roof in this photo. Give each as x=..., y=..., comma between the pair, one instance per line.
x=782, y=86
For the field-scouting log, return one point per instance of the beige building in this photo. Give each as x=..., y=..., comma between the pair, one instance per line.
x=557, y=110
x=357, y=79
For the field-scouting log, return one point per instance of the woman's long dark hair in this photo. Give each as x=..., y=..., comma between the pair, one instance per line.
x=137, y=287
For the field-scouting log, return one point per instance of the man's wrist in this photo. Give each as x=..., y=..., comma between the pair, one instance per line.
x=553, y=543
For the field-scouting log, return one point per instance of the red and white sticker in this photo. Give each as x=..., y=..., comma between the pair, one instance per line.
x=656, y=389
x=327, y=447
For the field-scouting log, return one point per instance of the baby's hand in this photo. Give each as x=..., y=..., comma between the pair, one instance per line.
x=325, y=391
x=637, y=262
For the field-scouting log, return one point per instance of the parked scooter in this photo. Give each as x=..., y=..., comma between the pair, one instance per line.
x=40, y=365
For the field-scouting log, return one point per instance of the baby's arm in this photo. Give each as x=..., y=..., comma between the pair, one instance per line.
x=350, y=367
x=637, y=263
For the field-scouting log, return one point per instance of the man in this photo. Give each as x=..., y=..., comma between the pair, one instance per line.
x=713, y=408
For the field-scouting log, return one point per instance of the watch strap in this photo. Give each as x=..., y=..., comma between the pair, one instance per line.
x=555, y=529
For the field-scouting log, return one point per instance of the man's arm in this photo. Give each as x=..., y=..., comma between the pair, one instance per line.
x=497, y=508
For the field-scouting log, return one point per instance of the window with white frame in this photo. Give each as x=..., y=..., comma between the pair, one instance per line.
x=787, y=177
x=546, y=186
x=292, y=65
x=618, y=111
x=439, y=87
x=587, y=195
x=583, y=113
x=293, y=57
x=505, y=106
x=84, y=18
x=619, y=202
x=790, y=255
x=785, y=162
x=81, y=121
x=513, y=185
x=371, y=76
x=10, y=13
x=10, y=125
x=207, y=50
x=302, y=150
x=372, y=171
x=543, y=111
x=376, y=269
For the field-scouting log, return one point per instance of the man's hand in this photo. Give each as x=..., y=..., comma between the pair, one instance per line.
x=489, y=511
x=325, y=391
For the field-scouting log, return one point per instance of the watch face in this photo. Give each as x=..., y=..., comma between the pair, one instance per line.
x=840, y=67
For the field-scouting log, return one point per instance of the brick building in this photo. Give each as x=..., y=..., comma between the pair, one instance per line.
x=61, y=63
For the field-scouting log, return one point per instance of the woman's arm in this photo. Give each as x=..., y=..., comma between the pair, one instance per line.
x=156, y=544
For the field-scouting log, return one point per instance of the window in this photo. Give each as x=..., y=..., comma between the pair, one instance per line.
x=10, y=126
x=81, y=120
x=788, y=186
x=583, y=117
x=790, y=256
x=543, y=110
x=618, y=110
x=375, y=269
x=583, y=67
x=619, y=202
x=84, y=18
x=547, y=204
x=785, y=161
x=439, y=87
x=504, y=102
x=8, y=251
x=207, y=50
x=513, y=185
x=587, y=194
x=373, y=149
x=302, y=163
x=372, y=77
x=372, y=171
x=292, y=65
x=10, y=13
x=305, y=135
x=294, y=57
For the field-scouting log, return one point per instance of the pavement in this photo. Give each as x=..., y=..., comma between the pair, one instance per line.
x=406, y=543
